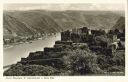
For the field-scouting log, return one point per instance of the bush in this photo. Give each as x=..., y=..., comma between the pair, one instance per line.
x=112, y=64
x=81, y=63
x=103, y=62
x=30, y=70
x=116, y=69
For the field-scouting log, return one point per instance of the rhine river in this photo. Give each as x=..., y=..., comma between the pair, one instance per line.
x=14, y=54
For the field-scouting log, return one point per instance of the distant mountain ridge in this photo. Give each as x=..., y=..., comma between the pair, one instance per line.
x=25, y=23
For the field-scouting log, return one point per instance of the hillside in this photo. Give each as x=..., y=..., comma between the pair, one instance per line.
x=84, y=55
x=120, y=24
x=36, y=22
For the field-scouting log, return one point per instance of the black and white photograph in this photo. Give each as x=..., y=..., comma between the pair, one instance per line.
x=64, y=39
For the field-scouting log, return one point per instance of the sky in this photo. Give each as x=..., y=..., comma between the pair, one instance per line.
x=61, y=7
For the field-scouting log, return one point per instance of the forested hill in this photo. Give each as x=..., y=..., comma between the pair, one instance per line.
x=31, y=22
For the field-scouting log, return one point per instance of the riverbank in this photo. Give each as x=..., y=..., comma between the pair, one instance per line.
x=24, y=42
x=14, y=53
